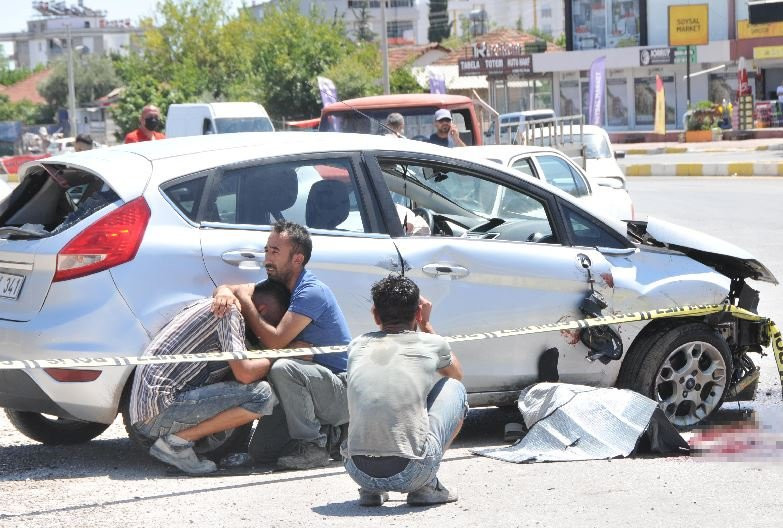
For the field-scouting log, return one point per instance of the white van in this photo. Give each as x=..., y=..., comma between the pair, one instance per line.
x=510, y=123
x=196, y=119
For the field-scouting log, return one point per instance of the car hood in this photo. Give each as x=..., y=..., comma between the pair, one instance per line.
x=603, y=168
x=726, y=258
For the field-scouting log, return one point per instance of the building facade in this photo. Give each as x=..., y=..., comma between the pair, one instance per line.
x=633, y=38
x=46, y=38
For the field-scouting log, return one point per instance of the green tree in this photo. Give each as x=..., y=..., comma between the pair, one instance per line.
x=24, y=111
x=291, y=49
x=359, y=73
x=439, y=20
x=94, y=77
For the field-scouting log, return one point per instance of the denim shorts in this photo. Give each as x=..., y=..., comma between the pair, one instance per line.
x=447, y=406
x=192, y=407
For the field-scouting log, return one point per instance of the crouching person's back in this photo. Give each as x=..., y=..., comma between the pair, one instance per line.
x=405, y=400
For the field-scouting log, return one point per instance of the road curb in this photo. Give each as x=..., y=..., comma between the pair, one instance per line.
x=759, y=168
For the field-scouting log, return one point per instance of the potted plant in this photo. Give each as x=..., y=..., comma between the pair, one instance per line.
x=700, y=121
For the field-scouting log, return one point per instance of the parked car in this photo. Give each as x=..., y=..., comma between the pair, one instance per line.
x=195, y=119
x=101, y=248
x=553, y=167
x=599, y=155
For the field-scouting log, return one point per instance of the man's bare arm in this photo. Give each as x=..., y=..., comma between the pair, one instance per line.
x=271, y=336
x=249, y=370
x=226, y=295
x=454, y=370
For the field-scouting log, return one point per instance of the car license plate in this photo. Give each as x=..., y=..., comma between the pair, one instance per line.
x=10, y=285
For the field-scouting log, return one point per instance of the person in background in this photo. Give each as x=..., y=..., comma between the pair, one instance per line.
x=83, y=142
x=405, y=400
x=446, y=132
x=396, y=123
x=149, y=126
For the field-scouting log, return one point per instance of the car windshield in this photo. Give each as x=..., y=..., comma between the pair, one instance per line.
x=596, y=146
x=227, y=125
x=419, y=121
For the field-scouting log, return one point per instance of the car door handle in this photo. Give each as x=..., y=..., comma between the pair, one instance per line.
x=238, y=258
x=445, y=271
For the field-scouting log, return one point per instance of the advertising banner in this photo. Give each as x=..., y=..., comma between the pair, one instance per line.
x=597, y=91
x=660, y=106
x=689, y=25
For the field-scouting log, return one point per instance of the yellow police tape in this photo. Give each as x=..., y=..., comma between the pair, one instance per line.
x=695, y=310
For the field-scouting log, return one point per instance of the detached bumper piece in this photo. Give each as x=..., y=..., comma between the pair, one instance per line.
x=574, y=422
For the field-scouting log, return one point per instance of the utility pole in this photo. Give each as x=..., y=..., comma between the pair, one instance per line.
x=385, y=50
x=71, y=87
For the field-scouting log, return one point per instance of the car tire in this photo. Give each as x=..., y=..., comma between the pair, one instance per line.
x=213, y=447
x=53, y=430
x=686, y=369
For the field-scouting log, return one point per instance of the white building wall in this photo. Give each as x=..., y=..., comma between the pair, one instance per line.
x=38, y=49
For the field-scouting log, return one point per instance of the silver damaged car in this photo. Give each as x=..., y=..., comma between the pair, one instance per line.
x=99, y=249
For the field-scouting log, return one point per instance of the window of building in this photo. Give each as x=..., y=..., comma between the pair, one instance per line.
x=399, y=29
x=617, y=102
x=644, y=100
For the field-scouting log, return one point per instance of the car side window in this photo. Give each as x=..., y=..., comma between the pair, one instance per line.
x=523, y=165
x=319, y=194
x=586, y=232
x=559, y=173
x=465, y=204
x=187, y=195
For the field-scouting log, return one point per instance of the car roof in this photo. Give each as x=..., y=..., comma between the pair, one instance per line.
x=399, y=101
x=506, y=152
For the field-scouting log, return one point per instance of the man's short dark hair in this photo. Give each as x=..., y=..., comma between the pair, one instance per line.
x=275, y=290
x=396, y=299
x=299, y=237
x=84, y=138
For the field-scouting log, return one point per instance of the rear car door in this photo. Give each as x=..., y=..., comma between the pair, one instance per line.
x=495, y=264
x=329, y=195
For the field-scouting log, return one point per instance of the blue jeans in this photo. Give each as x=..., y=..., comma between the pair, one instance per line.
x=447, y=406
x=192, y=407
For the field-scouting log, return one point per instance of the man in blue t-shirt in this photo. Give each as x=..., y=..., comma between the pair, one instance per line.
x=312, y=390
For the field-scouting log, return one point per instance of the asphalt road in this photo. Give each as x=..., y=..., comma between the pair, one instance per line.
x=106, y=483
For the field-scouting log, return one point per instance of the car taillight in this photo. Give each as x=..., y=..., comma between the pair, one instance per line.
x=112, y=240
x=73, y=375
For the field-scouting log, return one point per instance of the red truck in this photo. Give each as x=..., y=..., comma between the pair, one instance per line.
x=364, y=115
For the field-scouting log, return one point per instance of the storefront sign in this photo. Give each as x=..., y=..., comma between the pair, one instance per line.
x=768, y=52
x=658, y=56
x=503, y=65
x=746, y=30
x=689, y=25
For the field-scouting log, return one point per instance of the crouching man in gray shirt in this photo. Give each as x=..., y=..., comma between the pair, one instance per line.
x=405, y=400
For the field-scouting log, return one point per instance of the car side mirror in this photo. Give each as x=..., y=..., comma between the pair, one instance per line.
x=619, y=154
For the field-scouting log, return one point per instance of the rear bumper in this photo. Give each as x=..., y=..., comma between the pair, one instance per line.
x=80, y=318
x=19, y=392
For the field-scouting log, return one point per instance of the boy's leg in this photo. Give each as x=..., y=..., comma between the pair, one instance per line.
x=447, y=406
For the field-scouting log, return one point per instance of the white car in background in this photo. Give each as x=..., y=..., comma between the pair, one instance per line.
x=600, y=158
x=552, y=166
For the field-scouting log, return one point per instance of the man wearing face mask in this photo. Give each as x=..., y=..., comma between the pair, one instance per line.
x=149, y=126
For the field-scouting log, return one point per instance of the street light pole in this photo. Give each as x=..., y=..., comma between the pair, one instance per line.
x=71, y=88
x=385, y=50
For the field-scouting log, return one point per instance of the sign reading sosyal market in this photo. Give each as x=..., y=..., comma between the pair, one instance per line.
x=689, y=25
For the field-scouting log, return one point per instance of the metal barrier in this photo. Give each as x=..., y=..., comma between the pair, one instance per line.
x=558, y=133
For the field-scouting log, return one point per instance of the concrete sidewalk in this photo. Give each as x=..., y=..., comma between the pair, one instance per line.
x=669, y=165
x=745, y=145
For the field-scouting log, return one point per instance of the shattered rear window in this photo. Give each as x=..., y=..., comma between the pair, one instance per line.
x=51, y=199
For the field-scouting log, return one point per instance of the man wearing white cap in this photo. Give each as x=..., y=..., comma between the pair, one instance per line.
x=446, y=133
